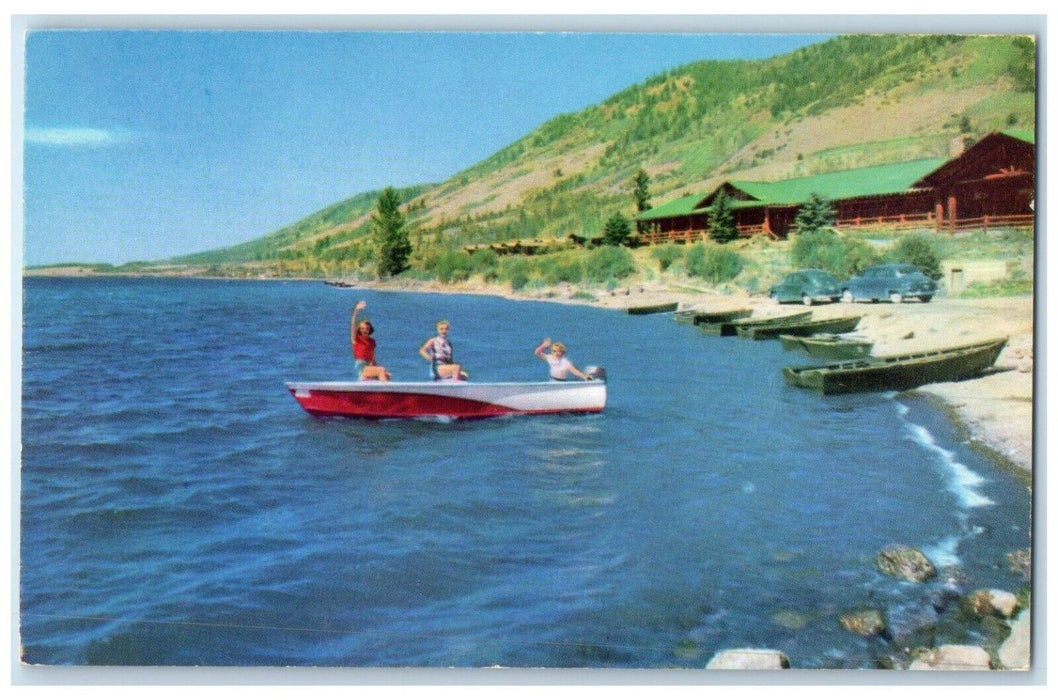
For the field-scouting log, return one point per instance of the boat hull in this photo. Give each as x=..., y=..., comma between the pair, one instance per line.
x=898, y=372
x=739, y=326
x=698, y=317
x=828, y=346
x=653, y=309
x=372, y=399
x=807, y=327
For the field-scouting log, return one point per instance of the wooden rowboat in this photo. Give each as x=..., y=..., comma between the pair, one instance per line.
x=898, y=372
x=698, y=316
x=731, y=327
x=653, y=308
x=829, y=346
x=843, y=324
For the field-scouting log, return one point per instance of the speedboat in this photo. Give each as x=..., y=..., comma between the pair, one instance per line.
x=450, y=398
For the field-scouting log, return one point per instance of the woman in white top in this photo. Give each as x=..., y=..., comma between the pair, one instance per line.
x=561, y=367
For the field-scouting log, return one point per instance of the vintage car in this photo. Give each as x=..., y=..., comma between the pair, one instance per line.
x=807, y=287
x=894, y=281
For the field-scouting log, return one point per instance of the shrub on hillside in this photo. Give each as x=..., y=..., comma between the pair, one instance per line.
x=822, y=249
x=825, y=249
x=558, y=269
x=515, y=270
x=666, y=254
x=713, y=263
x=609, y=263
x=452, y=266
x=484, y=262
x=919, y=252
x=859, y=255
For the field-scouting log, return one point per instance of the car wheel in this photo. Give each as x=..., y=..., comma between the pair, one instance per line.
x=846, y=296
x=896, y=297
x=925, y=298
x=806, y=300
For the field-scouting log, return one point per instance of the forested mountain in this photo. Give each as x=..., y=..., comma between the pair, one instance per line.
x=852, y=101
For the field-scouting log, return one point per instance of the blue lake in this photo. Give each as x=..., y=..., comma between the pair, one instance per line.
x=179, y=508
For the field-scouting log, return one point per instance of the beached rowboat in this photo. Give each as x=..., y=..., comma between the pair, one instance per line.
x=653, y=308
x=698, y=316
x=829, y=346
x=898, y=372
x=731, y=327
x=843, y=324
x=446, y=398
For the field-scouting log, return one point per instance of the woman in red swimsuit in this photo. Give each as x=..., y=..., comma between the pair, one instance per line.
x=364, y=347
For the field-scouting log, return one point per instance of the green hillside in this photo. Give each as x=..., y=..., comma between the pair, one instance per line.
x=850, y=102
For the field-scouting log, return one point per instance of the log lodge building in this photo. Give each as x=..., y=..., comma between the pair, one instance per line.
x=991, y=184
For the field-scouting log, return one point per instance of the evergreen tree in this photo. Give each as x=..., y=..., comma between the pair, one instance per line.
x=815, y=214
x=722, y=227
x=391, y=237
x=616, y=230
x=641, y=193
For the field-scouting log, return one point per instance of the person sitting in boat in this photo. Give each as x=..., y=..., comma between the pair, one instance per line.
x=361, y=337
x=561, y=367
x=438, y=352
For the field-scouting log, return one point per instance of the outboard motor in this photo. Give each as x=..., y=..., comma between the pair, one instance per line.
x=596, y=373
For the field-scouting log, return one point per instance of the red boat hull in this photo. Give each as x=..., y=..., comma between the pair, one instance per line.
x=447, y=399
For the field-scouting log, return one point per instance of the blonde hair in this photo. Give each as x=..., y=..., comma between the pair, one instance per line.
x=443, y=322
x=558, y=347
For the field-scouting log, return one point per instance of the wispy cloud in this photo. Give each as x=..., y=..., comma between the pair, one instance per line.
x=77, y=136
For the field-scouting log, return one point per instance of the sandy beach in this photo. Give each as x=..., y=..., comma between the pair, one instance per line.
x=995, y=410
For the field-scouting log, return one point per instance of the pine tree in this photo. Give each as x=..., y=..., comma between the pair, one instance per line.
x=391, y=237
x=616, y=230
x=815, y=214
x=642, y=196
x=722, y=227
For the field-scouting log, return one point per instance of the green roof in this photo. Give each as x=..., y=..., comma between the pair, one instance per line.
x=861, y=182
x=1026, y=135
x=688, y=204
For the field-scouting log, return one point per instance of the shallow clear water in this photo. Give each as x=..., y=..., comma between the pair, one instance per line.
x=178, y=507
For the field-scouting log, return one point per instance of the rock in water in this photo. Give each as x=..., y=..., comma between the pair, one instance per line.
x=905, y=563
x=748, y=660
x=864, y=622
x=953, y=657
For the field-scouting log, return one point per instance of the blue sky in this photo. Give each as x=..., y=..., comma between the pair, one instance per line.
x=144, y=144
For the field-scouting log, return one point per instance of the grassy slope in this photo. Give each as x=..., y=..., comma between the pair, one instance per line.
x=895, y=98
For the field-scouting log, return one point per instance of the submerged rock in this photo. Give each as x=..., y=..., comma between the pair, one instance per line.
x=748, y=660
x=905, y=563
x=864, y=622
x=912, y=624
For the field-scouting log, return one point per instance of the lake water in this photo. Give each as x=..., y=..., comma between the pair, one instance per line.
x=179, y=508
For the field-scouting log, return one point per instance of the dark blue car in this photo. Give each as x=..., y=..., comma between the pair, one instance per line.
x=807, y=287
x=894, y=281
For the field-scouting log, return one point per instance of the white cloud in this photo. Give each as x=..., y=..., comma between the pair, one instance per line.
x=76, y=136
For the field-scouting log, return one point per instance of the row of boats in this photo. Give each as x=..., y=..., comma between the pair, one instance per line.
x=850, y=366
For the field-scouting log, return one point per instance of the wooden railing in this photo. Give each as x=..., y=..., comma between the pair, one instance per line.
x=986, y=222
x=900, y=222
